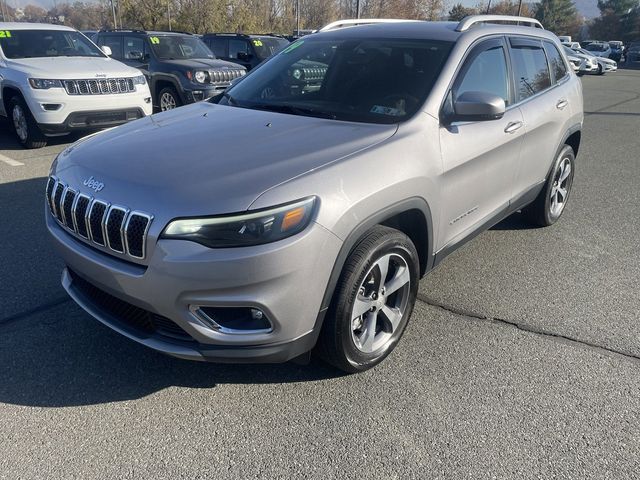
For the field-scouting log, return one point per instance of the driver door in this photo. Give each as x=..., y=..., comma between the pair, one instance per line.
x=479, y=158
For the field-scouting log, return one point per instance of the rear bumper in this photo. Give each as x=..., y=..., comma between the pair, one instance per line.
x=93, y=120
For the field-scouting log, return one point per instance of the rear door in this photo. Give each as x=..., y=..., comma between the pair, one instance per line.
x=479, y=158
x=543, y=94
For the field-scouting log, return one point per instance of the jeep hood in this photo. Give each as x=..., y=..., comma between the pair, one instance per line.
x=71, y=68
x=204, y=63
x=207, y=159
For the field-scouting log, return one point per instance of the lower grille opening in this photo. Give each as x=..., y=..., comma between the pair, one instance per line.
x=139, y=319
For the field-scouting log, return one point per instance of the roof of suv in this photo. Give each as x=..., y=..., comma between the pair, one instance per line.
x=144, y=32
x=433, y=30
x=33, y=26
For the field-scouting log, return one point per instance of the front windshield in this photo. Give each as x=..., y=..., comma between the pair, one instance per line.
x=179, y=47
x=596, y=47
x=47, y=43
x=362, y=80
x=267, y=46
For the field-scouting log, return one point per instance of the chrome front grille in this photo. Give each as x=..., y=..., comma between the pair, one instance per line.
x=111, y=226
x=103, y=86
x=226, y=75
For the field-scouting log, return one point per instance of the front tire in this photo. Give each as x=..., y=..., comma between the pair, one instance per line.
x=24, y=125
x=552, y=200
x=168, y=99
x=372, y=302
x=600, y=70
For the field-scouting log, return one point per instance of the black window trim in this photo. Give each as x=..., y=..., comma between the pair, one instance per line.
x=478, y=46
x=536, y=95
x=554, y=81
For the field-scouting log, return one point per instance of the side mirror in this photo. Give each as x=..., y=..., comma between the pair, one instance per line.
x=106, y=50
x=135, y=55
x=245, y=57
x=477, y=106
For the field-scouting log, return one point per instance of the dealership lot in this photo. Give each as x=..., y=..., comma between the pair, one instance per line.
x=521, y=359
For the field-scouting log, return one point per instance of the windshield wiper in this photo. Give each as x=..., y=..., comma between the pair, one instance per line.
x=308, y=112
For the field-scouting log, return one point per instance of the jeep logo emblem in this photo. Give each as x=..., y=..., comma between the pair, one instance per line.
x=93, y=184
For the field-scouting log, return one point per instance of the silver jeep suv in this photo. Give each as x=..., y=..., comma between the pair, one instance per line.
x=300, y=210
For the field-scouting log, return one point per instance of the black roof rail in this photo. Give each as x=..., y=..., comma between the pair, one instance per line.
x=132, y=30
x=212, y=34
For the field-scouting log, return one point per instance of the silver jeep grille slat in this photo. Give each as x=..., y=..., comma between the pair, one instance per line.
x=225, y=76
x=103, y=86
x=113, y=227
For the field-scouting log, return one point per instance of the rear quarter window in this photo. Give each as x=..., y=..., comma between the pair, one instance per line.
x=558, y=67
x=530, y=68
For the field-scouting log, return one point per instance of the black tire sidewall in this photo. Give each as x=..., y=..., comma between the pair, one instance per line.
x=565, y=152
x=395, y=242
x=34, y=136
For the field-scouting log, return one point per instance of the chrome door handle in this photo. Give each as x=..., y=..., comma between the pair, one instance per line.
x=561, y=104
x=513, y=126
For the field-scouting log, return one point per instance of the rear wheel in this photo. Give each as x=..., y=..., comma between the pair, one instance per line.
x=552, y=200
x=168, y=99
x=24, y=125
x=373, y=301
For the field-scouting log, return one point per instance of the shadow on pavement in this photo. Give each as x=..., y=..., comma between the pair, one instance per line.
x=8, y=140
x=56, y=355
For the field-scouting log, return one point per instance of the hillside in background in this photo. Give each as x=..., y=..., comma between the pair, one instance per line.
x=588, y=8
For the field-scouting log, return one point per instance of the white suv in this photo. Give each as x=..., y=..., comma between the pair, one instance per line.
x=53, y=80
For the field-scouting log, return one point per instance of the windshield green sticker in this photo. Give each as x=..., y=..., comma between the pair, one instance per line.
x=155, y=40
x=257, y=43
x=293, y=46
x=5, y=34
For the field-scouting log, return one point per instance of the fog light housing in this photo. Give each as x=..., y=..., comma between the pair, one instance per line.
x=233, y=320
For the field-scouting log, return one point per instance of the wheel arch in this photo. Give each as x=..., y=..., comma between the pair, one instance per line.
x=8, y=92
x=411, y=216
x=572, y=138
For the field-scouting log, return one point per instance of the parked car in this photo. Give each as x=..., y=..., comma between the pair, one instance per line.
x=90, y=34
x=599, y=49
x=573, y=45
x=604, y=64
x=245, y=50
x=565, y=39
x=588, y=63
x=574, y=61
x=617, y=49
x=632, y=55
x=180, y=67
x=254, y=230
x=53, y=81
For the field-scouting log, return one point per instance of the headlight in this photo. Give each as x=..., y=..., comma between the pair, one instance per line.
x=245, y=229
x=201, y=76
x=44, y=84
x=139, y=80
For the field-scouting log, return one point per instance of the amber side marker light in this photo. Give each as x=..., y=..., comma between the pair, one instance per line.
x=292, y=218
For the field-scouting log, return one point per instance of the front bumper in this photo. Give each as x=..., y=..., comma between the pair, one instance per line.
x=67, y=105
x=194, y=94
x=285, y=279
x=92, y=120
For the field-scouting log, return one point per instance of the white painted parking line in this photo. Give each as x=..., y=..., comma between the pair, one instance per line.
x=10, y=161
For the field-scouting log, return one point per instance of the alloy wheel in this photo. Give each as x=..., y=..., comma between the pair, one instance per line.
x=560, y=188
x=380, y=303
x=167, y=102
x=20, y=123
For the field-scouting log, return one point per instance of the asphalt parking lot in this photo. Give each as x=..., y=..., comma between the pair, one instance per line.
x=522, y=359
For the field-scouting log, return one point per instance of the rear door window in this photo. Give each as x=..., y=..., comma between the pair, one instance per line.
x=238, y=46
x=114, y=42
x=558, y=67
x=218, y=46
x=530, y=68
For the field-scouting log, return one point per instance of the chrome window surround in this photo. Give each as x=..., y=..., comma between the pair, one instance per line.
x=57, y=211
